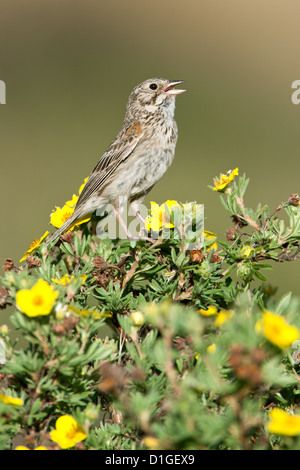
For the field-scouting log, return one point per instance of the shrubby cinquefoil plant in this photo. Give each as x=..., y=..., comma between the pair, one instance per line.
x=140, y=345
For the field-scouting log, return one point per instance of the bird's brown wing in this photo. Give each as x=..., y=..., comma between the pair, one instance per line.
x=117, y=152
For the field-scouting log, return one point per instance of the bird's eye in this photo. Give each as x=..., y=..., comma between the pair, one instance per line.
x=153, y=86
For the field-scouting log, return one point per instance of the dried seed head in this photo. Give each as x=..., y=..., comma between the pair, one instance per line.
x=4, y=293
x=33, y=262
x=67, y=237
x=10, y=266
x=239, y=221
x=196, y=256
x=246, y=364
x=231, y=234
x=294, y=200
x=113, y=378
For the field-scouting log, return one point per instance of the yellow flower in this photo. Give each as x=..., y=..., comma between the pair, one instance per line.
x=67, y=279
x=159, y=217
x=222, y=317
x=68, y=432
x=212, y=348
x=211, y=310
x=283, y=423
x=276, y=330
x=84, y=313
x=38, y=300
x=210, y=236
x=72, y=203
x=151, y=442
x=34, y=245
x=60, y=215
x=223, y=181
x=246, y=251
x=83, y=185
x=11, y=400
x=26, y=448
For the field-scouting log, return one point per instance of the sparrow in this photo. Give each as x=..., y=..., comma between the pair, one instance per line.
x=137, y=158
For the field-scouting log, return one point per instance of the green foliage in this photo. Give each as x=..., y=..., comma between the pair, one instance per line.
x=131, y=351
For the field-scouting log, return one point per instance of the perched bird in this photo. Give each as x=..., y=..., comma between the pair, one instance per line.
x=137, y=158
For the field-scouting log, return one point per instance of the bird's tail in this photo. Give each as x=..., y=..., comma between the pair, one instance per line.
x=63, y=228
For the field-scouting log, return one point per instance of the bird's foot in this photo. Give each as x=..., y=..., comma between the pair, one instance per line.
x=142, y=235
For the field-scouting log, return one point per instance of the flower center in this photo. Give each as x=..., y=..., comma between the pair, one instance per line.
x=276, y=330
x=71, y=433
x=34, y=244
x=37, y=300
x=66, y=216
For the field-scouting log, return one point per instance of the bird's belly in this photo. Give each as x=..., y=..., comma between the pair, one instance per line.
x=139, y=174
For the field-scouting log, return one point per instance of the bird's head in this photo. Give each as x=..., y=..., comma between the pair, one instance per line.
x=154, y=96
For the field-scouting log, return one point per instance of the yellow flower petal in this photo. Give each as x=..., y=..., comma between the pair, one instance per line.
x=160, y=217
x=83, y=185
x=38, y=300
x=68, y=279
x=222, y=317
x=72, y=203
x=246, y=251
x=223, y=181
x=26, y=448
x=61, y=215
x=283, y=423
x=171, y=203
x=212, y=348
x=34, y=245
x=155, y=220
x=276, y=330
x=211, y=310
x=11, y=400
x=94, y=313
x=151, y=442
x=67, y=432
x=148, y=223
x=167, y=208
x=210, y=236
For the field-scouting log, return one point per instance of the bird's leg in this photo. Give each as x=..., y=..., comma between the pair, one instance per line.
x=135, y=209
x=129, y=235
x=138, y=214
x=143, y=234
x=121, y=221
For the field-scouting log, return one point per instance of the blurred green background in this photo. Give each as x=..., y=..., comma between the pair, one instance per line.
x=69, y=67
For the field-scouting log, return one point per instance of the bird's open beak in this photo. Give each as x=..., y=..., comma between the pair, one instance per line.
x=170, y=90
